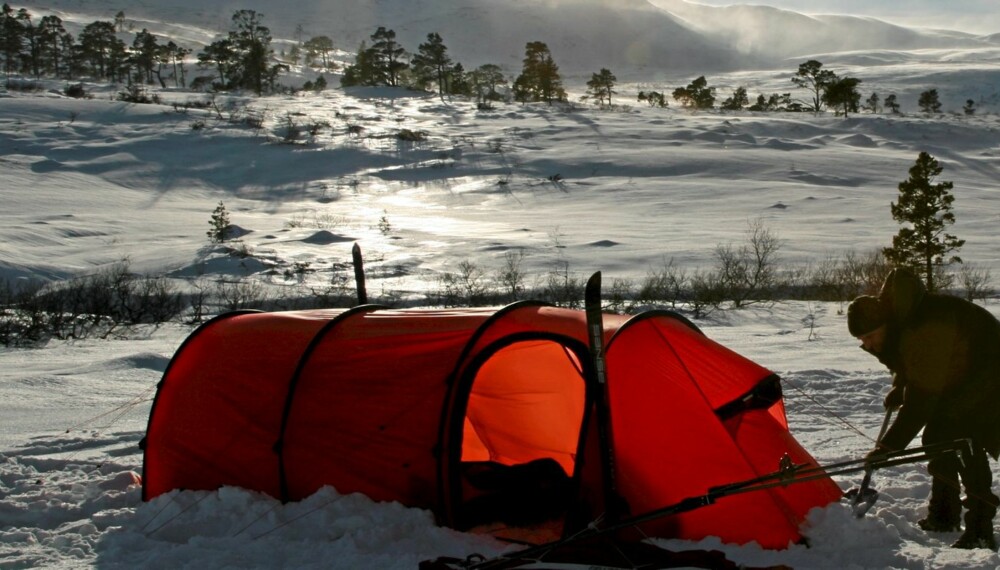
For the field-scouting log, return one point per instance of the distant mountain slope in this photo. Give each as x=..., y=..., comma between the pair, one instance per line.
x=774, y=34
x=583, y=35
x=633, y=38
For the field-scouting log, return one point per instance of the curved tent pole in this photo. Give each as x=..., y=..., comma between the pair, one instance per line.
x=294, y=381
x=180, y=350
x=451, y=493
x=447, y=411
x=765, y=393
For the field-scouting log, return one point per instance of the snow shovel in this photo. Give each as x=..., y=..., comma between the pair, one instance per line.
x=863, y=497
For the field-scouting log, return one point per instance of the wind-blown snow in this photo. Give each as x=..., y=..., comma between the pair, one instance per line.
x=86, y=183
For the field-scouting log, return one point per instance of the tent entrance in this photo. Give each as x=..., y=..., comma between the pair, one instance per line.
x=521, y=434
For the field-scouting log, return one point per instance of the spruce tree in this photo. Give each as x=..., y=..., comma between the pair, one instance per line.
x=219, y=224
x=926, y=210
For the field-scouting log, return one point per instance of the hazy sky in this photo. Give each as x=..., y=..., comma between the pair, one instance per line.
x=978, y=16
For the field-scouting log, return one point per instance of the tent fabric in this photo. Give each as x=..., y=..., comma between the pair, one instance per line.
x=395, y=404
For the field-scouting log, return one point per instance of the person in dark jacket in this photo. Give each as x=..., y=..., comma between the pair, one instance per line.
x=944, y=353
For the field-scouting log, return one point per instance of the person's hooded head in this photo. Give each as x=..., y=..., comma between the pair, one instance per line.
x=866, y=320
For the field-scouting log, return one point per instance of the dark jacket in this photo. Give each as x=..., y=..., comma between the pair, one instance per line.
x=946, y=351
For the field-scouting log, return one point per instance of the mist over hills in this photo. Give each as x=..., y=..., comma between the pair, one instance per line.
x=633, y=38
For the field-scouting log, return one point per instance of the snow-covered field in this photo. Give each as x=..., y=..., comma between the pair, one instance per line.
x=86, y=183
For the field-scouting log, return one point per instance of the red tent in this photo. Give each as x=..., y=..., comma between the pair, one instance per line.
x=406, y=405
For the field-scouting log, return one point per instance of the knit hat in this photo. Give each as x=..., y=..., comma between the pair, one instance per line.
x=865, y=314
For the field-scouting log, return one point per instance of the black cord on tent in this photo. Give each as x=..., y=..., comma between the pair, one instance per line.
x=827, y=411
x=121, y=410
x=951, y=482
x=171, y=519
x=291, y=520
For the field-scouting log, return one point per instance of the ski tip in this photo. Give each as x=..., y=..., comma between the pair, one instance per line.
x=594, y=281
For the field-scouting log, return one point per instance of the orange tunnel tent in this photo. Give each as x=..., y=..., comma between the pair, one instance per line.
x=402, y=405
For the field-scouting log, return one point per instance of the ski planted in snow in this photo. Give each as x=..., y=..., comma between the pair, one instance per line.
x=595, y=334
x=359, y=274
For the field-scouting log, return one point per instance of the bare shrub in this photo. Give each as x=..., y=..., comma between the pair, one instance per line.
x=339, y=293
x=291, y=132
x=562, y=288
x=411, y=136
x=112, y=302
x=665, y=284
x=708, y=292
x=510, y=276
x=21, y=321
x=198, y=301
x=240, y=294
x=468, y=287
x=862, y=274
x=748, y=273
x=976, y=282
x=621, y=296
x=77, y=91
x=136, y=93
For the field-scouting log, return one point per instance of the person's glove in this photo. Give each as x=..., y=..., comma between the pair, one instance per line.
x=894, y=399
x=876, y=455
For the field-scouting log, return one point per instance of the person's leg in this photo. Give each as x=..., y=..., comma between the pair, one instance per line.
x=944, y=509
x=981, y=502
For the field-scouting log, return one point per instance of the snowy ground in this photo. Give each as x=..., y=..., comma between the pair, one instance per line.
x=85, y=183
x=74, y=413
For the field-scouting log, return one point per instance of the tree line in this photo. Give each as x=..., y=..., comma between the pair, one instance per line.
x=386, y=62
x=44, y=48
x=245, y=59
x=826, y=90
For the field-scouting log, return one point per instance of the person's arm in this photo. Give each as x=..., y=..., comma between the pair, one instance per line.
x=894, y=399
x=914, y=414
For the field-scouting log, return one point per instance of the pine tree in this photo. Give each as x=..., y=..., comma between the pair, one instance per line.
x=737, y=101
x=319, y=46
x=601, y=86
x=539, y=79
x=485, y=80
x=842, y=94
x=219, y=223
x=872, y=103
x=388, y=56
x=929, y=101
x=891, y=103
x=813, y=77
x=432, y=63
x=697, y=95
x=926, y=209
